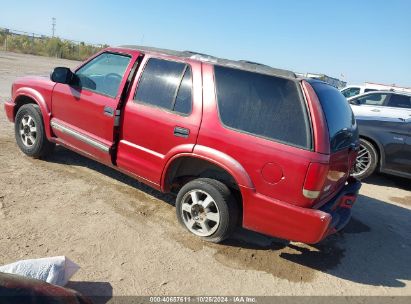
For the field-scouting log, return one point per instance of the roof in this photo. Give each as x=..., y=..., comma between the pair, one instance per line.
x=240, y=64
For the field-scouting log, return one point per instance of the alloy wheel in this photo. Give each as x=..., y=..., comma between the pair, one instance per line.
x=363, y=161
x=28, y=131
x=200, y=213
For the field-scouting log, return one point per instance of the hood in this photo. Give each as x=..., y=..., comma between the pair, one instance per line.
x=31, y=81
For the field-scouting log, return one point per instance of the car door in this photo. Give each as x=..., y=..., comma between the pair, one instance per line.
x=407, y=146
x=399, y=108
x=161, y=117
x=384, y=124
x=83, y=112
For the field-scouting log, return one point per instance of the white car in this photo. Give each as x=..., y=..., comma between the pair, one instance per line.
x=354, y=90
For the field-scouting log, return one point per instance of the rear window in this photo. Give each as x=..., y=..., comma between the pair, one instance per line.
x=340, y=118
x=262, y=105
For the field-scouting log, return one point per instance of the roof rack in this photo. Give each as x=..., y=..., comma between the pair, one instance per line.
x=240, y=64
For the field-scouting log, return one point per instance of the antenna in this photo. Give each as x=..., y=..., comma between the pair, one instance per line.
x=53, y=25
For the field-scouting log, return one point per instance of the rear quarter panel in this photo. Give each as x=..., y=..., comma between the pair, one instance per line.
x=276, y=170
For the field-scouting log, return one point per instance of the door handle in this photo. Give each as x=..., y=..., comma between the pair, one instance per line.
x=109, y=111
x=181, y=132
x=376, y=110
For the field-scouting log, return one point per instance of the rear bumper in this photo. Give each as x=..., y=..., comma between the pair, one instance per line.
x=340, y=206
x=9, y=109
x=279, y=219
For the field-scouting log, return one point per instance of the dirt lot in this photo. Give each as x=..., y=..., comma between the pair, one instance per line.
x=126, y=239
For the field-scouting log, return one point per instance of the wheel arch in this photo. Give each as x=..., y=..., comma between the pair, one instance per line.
x=31, y=96
x=185, y=167
x=215, y=158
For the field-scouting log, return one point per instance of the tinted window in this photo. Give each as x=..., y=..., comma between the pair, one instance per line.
x=262, y=105
x=183, y=99
x=104, y=73
x=373, y=99
x=399, y=101
x=351, y=92
x=160, y=83
x=340, y=118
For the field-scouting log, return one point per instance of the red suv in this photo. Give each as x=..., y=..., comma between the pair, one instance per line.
x=240, y=143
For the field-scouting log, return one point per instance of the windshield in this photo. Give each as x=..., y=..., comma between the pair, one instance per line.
x=342, y=126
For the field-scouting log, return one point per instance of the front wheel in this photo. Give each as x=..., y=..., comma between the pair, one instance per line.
x=206, y=208
x=367, y=160
x=29, y=132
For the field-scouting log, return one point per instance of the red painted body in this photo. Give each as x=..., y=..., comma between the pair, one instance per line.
x=270, y=175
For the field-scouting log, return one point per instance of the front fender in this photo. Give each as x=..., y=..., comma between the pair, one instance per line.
x=38, y=98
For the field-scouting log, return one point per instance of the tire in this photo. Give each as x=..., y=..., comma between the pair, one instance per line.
x=367, y=160
x=29, y=132
x=208, y=207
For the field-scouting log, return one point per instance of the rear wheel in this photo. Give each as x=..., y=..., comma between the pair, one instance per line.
x=367, y=160
x=206, y=208
x=29, y=132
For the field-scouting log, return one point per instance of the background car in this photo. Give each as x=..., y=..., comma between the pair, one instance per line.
x=384, y=120
x=354, y=90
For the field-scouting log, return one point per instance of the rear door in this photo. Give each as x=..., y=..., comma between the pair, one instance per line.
x=162, y=116
x=398, y=109
x=83, y=112
x=343, y=132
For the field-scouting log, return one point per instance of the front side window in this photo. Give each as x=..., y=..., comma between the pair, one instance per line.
x=350, y=92
x=399, y=101
x=166, y=84
x=373, y=99
x=103, y=74
x=262, y=105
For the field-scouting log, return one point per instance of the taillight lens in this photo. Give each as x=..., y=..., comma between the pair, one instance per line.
x=315, y=180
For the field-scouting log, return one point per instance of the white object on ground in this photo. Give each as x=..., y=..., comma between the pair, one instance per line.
x=54, y=270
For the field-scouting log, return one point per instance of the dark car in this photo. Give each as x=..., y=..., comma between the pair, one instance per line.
x=384, y=120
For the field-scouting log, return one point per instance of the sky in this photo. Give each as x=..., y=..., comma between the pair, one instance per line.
x=356, y=41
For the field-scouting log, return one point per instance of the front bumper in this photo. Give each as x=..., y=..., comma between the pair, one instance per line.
x=9, y=109
x=283, y=220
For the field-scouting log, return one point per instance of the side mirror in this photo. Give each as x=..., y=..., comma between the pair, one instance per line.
x=355, y=102
x=62, y=75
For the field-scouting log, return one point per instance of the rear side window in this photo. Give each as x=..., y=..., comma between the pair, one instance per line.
x=340, y=118
x=399, y=101
x=262, y=105
x=166, y=84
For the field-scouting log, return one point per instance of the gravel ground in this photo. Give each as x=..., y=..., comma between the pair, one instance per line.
x=125, y=237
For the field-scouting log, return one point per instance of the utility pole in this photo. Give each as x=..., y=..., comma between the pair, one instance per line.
x=53, y=25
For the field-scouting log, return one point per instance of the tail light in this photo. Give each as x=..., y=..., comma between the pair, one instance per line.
x=315, y=180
